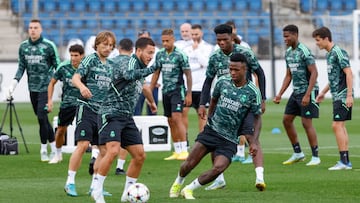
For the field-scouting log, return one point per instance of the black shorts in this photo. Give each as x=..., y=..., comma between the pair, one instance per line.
x=195, y=100
x=86, y=125
x=216, y=143
x=173, y=102
x=247, y=127
x=340, y=111
x=294, y=107
x=66, y=116
x=120, y=129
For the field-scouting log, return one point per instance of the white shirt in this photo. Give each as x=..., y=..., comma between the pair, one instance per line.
x=198, y=61
x=181, y=44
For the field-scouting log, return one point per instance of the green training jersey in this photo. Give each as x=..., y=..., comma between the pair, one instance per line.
x=39, y=58
x=337, y=59
x=97, y=77
x=297, y=61
x=233, y=105
x=172, y=66
x=70, y=94
x=219, y=61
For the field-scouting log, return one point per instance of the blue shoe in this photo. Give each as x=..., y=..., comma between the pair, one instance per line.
x=237, y=158
x=341, y=166
x=70, y=190
x=105, y=193
x=249, y=160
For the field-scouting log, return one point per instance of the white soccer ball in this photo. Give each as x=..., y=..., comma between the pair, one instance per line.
x=138, y=193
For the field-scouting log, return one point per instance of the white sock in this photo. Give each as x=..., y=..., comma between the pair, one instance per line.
x=220, y=177
x=183, y=146
x=43, y=148
x=71, y=177
x=259, y=173
x=93, y=181
x=129, y=181
x=177, y=147
x=120, y=163
x=94, y=152
x=193, y=185
x=98, y=182
x=241, y=150
x=180, y=180
x=59, y=151
x=53, y=146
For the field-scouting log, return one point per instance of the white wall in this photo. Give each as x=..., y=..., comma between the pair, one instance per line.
x=21, y=94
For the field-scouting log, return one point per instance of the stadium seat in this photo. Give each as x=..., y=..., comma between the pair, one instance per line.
x=183, y=5
x=91, y=23
x=151, y=22
x=110, y=6
x=336, y=5
x=48, y=6
x=168, y=5
x=321, y=5
x=77, y=23
x=211, y=5
x=255, y=5
x=65, y=6
x=241, y=6
x=94, y=6
x=138, y=6
x=107, y=24
x=306, y=6
x=350, y=5
x=124, y=5
x=80, y=6
x=197, y=5
x=153, y=6
x=121, y=23
x=226, y=5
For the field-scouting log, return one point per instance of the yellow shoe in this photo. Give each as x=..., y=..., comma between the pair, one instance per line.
x=260, y=184
x=174, y=156
x=175, y=190
x=187, y=193
x=182, y=156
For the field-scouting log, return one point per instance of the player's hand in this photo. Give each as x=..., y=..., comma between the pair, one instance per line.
x=202, y=112
x=277, y=99
x=188, y=100
x=263, y=106
x=49, y=106
x=349, y=101
x=305, y=101
x=320, y=98
x=253, y=149
x=86, y=93
x=152, y=106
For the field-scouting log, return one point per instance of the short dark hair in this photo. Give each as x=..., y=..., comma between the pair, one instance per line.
x=35, y=21
x=126, y=44
x=322, y=33
x=167, y=32
x=142, y=42
x=196, y=26
x=77, y=48
x=143, y=31
x=223, y=29
x=291, y=28
x=231, y=23
x=237, y=57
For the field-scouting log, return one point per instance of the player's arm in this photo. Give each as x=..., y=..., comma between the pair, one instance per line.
x=149, y=98
x=261, y=82
x=349, y=86
x=188, y=98
x=312, y=81
x=50, y=94
x=284, y=86
x=322, y=93
x=154, y=79
x=205, y=97
x=84, y=91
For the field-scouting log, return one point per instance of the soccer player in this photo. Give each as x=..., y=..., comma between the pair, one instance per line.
x=341, y=87
x=173, y=64
x=117, y=123
x=235, y=106
x=69, y=97
x=219, y=66
x=39, y=57
x=301, y=70
x=198, y=53
x=92, y=78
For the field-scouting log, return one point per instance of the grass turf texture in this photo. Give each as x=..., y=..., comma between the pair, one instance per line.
x=24, y=178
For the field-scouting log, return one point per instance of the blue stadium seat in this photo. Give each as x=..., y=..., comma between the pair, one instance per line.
x=306, y=6
x=154, y=6
x=350, y=5
x=321, y=5
x=165, y=23
x=183, y=5
x=77, y=23
x=124, y=5
x=107, y=24
x=121, y=23
x=47, y=23
x=91, y=23
x=226, y=5
x=211, y=5
x=110, y=6
x=336, y=5
x=138, y=6
x=168, y=5
x=151, y=22
x=80, y=6
x=94, y=6
x=255, y=5
x=241, y=5
x=48, y=6
x=197, y=5
x=65, y=6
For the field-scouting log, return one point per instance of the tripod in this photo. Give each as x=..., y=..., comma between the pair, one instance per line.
x=10, y=105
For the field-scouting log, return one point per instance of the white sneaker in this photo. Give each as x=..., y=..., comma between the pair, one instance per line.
x=56, y=159
x=44, y=156
x=98, y=196
x=296, y=157
x=216, y=185
x=340, y=166
x=124, y=197
x=314, y=161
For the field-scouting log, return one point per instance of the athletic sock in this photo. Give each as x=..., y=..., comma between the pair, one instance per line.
x=94, y=152
x=296, y=147
x=240, y=150
x=71, y=177
x=259, y=173
x=315, y=151
x=194, y=184
x=120, y=163
x=180, y=180
x=344, y=157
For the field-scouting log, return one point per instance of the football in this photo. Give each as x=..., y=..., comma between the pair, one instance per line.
x=138, y=193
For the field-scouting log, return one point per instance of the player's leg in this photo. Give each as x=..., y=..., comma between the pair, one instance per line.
x=121, y=162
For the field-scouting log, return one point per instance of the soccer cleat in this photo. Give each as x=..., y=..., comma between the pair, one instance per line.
x=260, y=184
x=172, y=157
x=97, y=196
x=182, y=156
x=187, y=193
x=341, y=166
x=120, y=171
x=91, y=166
x=52, y=155
x=56, y=159
x=296, y=157
x=105, y=193
x=216, y=185
x=44, y=157
x=237, y=158
x=175, y=190
x=124, y=197
x=70, y=190
x=249, y=160
x=314, y=161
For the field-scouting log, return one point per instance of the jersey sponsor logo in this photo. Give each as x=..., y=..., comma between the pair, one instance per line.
x=167, y=67
x=229, y=103
x=32, y=59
